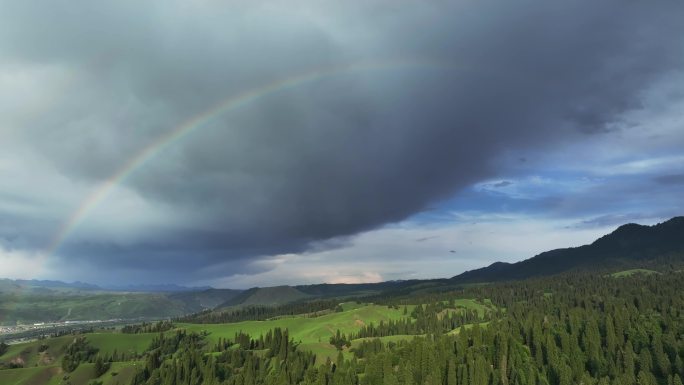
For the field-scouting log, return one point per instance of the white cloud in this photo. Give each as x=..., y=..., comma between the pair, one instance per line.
x=412, y=250
x=19, y=264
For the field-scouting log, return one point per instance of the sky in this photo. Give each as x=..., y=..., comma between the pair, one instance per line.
x=259, y=143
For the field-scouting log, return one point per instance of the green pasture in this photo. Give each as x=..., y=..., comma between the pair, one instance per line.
x=120, y=373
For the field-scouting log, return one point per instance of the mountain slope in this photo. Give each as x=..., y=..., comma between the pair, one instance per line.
x=53, y=306
x=205, y=299
x=628, y=246
x=279, y=295
x=52, y=301
x=266, y=296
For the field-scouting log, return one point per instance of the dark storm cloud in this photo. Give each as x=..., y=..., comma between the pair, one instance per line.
x=339, y=155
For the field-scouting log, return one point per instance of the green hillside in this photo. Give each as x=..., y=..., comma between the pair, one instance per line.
x=120, y=373
x=272, y=296
x=29, y=307
x=195, y=301
x=50, y=351
x=311, y=333
x=304, y=329
x=30, y=304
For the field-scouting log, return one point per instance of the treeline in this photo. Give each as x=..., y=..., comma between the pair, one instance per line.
x=434, y=318
x=340, y=340
x=78, y=351
x=273, y=356
x=586, y=329
x=276, y=340
x=261, y=313
x=167, y=343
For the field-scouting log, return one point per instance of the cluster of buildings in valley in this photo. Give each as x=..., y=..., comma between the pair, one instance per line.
x=39, y=326
x=24, y=332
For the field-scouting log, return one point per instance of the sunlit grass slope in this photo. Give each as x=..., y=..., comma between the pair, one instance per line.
x=31, y=355
x=302, y=329
x=314, y=333
x=628, y=273
x=120, y=373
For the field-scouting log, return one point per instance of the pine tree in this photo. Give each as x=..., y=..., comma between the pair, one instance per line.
x=451, y=373
x=645, y=378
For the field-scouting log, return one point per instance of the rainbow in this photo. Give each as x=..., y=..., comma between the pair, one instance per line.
x=200, y=120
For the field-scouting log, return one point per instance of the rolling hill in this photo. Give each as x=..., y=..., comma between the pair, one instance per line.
x=266, y=296
x=205, y=299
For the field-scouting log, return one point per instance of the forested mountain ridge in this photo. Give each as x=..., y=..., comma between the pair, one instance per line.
x=628, y=246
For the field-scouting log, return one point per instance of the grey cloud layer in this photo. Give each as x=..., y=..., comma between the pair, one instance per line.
x=335, y=156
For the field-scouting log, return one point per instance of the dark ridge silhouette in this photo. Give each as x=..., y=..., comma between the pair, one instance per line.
x=627, y=246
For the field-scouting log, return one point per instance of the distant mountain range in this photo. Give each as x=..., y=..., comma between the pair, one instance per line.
x=54, y=284
x=163, y=288
x=51, y=284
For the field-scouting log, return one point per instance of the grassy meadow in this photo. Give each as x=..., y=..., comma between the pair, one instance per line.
x=42, y=358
